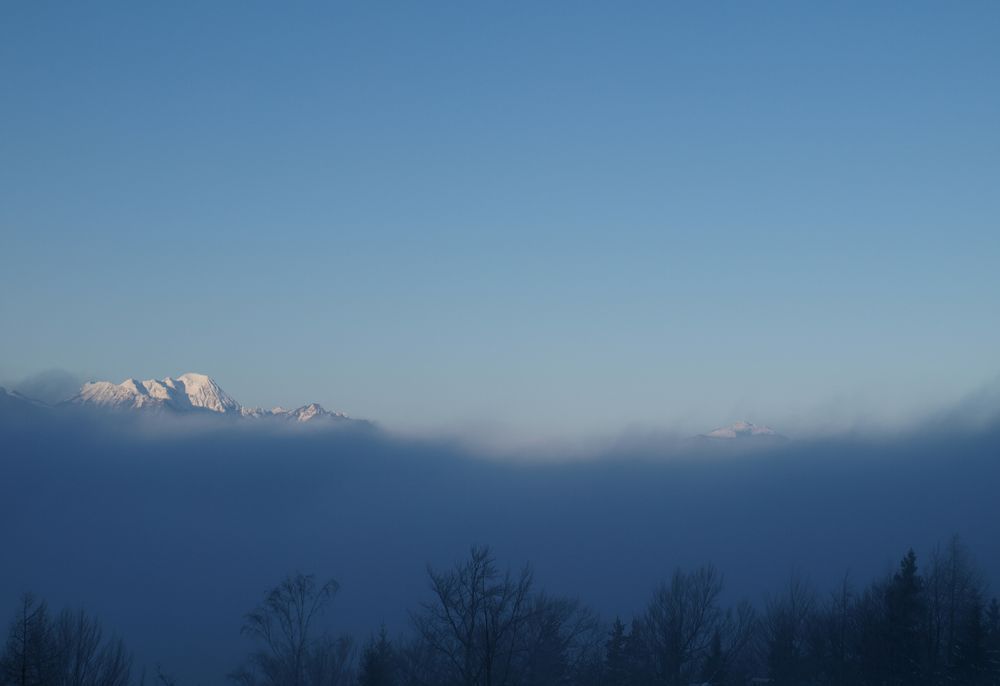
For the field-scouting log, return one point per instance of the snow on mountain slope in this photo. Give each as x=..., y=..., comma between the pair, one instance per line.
x=313, y=412
x=743, y=430
x=185, y=393
x=129, y=393
x=202, y=391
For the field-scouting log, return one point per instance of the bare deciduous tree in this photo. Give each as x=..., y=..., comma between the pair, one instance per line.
x=70, y=651
x=560, y=637
x=683, y=621
x=786, y=633
x=475, y=621
x=85, y=659
x=955, y=589
x=283, y=623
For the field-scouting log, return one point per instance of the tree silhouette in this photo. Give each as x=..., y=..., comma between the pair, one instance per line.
x=283, y=624
x=378, y=662
x=475, y=620
x=904, y=613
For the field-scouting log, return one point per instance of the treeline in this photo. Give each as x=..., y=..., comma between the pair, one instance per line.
x=483, y=626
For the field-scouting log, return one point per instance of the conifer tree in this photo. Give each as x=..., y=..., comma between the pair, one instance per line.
x=378, y=662
x=904, y=613
x=616, y=655
x=992, y=622
x=970, y=663
x=30, y=655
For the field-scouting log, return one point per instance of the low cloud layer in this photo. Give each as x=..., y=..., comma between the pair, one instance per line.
x=50, y=386
x=171, y=531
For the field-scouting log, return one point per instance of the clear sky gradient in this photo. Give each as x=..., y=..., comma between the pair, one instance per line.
x=559, y=218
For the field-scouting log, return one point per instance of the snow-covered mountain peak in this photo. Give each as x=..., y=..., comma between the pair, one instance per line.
x=131, y=385
x=202, y=391
x=742, y=430
x=188, y=392
x=128, y=393
x=314, y=411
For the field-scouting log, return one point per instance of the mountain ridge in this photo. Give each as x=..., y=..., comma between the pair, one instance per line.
x=190, y=392
x=743, y=431
x=194, y=393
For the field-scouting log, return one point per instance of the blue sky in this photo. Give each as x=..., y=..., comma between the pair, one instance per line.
x=553, y=218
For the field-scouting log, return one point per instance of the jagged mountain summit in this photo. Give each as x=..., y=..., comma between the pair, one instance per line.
x=738, y=437
x=186, y=392
x=189, y=392
x=311, y=412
